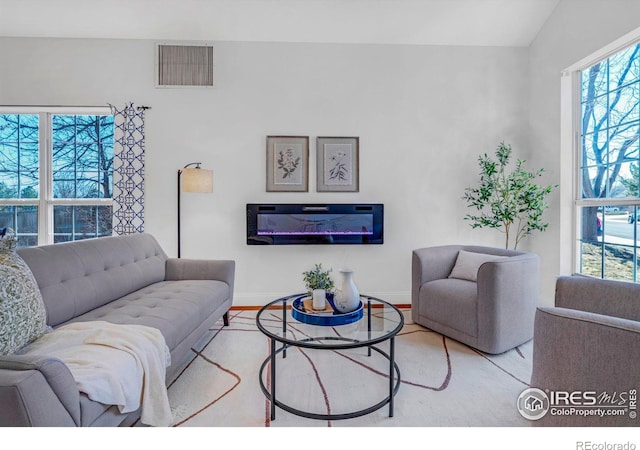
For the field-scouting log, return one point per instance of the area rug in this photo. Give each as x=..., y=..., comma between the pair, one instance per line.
x=443, y=383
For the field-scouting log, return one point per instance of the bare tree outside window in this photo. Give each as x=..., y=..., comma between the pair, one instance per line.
x=81, y=168
x=609, y=157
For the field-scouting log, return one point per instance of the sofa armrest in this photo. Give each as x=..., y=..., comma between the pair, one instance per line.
x=201, y=269
x=37, y=391
x=582, y=351
x=608, y=297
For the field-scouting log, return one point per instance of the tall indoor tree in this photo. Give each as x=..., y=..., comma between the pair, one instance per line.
x=509, y=201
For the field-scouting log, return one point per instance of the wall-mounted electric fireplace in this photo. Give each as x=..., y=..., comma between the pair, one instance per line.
x=320, y=224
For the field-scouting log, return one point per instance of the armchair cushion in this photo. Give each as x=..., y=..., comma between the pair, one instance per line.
x=441, y=297
x=468, y=263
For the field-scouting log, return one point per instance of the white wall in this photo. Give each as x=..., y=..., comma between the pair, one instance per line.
x=576, y=29
x=423, y=115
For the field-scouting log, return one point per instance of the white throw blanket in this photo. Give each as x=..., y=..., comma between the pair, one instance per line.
x=123, y=365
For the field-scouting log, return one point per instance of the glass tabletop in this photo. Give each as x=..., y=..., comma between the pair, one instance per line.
x=379, y=321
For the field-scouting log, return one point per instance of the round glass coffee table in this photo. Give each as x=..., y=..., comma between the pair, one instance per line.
x=379, y=322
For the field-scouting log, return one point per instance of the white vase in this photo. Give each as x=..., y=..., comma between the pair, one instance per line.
x=347, y=298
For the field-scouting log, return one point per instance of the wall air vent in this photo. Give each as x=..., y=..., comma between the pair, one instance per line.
x=184, y=65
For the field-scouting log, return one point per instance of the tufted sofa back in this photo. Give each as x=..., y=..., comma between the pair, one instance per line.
x=76, y=277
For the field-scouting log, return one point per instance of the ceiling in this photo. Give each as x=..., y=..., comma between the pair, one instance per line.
x=413, y=22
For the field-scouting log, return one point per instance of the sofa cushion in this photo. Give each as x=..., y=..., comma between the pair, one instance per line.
x=175, y=308
x=22, y=313
x=468, y=263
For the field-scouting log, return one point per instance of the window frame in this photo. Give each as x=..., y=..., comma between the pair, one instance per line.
x=570, y=158
x=46, y=201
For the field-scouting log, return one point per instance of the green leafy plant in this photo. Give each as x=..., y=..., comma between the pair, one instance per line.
x=317, y=278
x=512, y=202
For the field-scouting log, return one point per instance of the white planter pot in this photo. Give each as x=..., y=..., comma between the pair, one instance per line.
x=319, y=299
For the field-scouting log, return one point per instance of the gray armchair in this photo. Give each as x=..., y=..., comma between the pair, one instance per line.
x=590, y=342
x=493, y=313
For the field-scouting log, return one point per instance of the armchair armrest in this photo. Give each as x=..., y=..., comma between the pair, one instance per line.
x=508, y=294
x=582, y=351
x=509, y=284
x=429, y=264
x=433, y=263
x=37, y=391
x=608, y=297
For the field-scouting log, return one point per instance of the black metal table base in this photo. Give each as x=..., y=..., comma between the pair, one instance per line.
x=394, y=384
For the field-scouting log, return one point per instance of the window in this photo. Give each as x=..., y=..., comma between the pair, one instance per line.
x=608, y=193
x=56, y=174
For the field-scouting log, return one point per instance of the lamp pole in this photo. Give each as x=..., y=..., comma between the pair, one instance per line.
x=197, y=164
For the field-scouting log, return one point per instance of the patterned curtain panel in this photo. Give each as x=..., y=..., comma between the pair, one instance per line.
x=128, y=170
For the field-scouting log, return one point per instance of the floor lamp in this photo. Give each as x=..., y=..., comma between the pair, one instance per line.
x=192, y=179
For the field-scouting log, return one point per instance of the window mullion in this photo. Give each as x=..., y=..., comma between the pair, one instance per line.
x=75, y=159
x=45, y=227
x=19, y=161
x=635, y=248
x=82, y=201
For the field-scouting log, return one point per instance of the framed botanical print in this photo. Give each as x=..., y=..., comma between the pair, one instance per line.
x=337, y=164
x=287, y=163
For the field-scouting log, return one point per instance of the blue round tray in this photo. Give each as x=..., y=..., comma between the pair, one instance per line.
x=337, y=318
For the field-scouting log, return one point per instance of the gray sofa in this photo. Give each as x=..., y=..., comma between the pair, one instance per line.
x=122, y=280
x=589, y=342
x=493, y=313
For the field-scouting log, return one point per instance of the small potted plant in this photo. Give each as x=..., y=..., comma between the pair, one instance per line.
x=318, y=282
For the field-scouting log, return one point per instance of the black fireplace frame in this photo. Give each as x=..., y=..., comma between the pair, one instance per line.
x=370, y=215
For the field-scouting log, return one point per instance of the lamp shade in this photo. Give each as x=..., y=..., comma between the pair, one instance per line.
x=197, y=180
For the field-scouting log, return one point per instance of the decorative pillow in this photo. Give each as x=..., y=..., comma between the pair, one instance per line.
x=468, y=263
x=23, y=317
